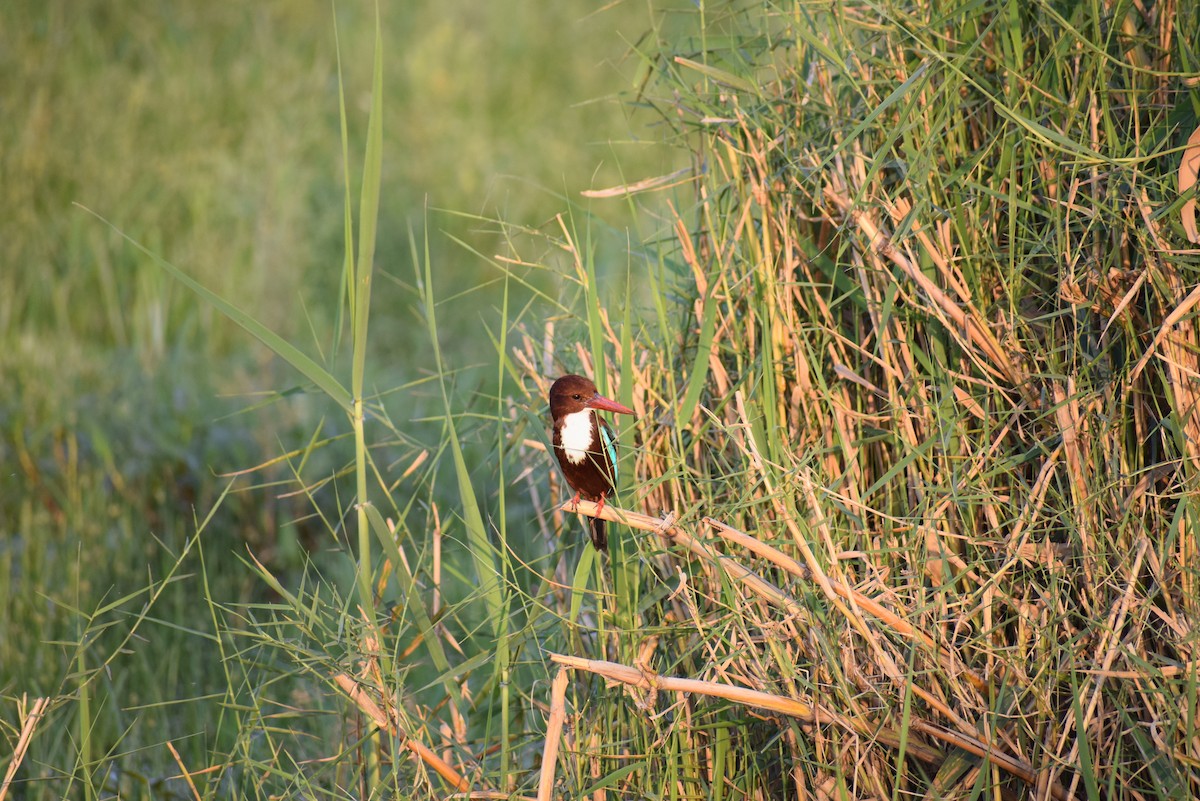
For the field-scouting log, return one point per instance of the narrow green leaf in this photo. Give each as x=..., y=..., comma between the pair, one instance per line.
x=718, y=75
x=368, y=215
x=899, y=466
x=481, y=548
x=1086, y=764
x=449, y=677
x=277, y=344
x=699, y=372
x=579, y=583
x=346, y=285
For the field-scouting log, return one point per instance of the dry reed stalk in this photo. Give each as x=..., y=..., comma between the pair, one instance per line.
x=659, y=182
x=187, y=774
x=994, y=358
x=554, y=727
x=1066, y=412
x=1107, y=648
x=666, y=528
x=654, y=683
x=388, y=723
x=29, y=723
x=948, y=657
x=1019, y=768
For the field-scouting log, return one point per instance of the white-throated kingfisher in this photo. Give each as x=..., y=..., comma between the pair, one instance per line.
x=584, y=444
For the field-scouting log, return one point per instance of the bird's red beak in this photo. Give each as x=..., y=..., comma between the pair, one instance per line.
x=602, y=403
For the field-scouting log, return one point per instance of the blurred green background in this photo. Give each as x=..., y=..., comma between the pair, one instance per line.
x=210, y=133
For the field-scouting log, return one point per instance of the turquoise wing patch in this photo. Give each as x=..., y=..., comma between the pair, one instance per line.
x=610, y=448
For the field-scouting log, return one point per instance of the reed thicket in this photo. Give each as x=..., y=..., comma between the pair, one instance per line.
x=925, y=422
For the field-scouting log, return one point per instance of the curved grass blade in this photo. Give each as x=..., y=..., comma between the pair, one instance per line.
x=277, y=344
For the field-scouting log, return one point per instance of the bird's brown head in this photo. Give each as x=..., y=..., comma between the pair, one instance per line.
x=574, y=393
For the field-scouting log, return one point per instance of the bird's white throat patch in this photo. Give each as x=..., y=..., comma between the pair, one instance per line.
x=577, y=436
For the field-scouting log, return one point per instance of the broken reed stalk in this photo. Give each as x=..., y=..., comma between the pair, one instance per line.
x=665, y=527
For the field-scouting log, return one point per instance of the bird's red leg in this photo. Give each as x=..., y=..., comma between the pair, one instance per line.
x=600, y=504
x=575, y=501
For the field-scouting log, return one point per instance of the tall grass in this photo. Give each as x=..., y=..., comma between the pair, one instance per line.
x=213, y=139
x=921, y=494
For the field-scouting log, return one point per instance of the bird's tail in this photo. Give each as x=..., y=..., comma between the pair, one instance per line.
x=599, y=536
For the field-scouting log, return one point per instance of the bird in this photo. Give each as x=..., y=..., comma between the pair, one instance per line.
x=584, y=444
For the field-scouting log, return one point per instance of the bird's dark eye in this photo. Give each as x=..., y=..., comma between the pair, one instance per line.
x=577, y=396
